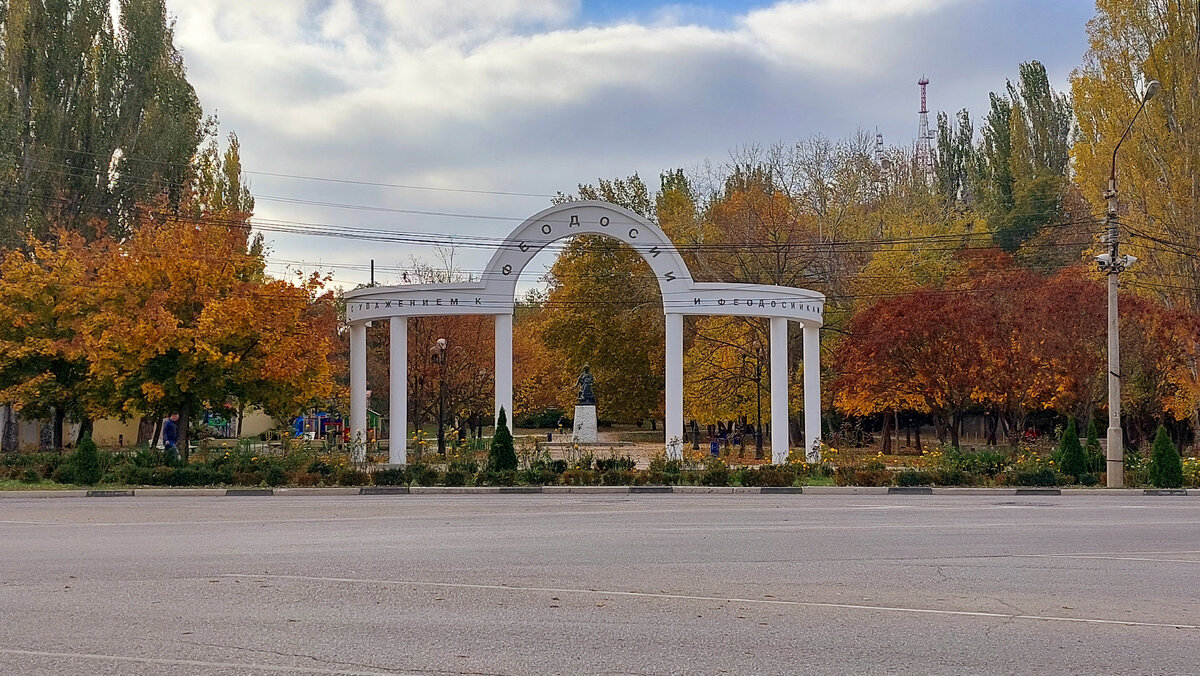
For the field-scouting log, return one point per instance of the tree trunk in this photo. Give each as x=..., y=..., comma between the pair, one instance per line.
x=146, y=431
x=157, y=433
x=886, y=434
x=8, y=436
x=86, y=427
x=955, y=419
x=242, y=414
x=918, y=433
x=59, y=419
x=184, y=416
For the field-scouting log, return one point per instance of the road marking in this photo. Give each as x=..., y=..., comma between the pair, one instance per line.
x=187, y=663
x=1103, y=558
x=689, y=597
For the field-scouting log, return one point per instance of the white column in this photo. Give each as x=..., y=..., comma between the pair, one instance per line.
x=779, y=390
x=398, y=387
x=673, y=408
x=504, y=366
x=358, y=388
x=812, y=392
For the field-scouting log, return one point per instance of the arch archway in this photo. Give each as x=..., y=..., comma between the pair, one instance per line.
x=495, y=294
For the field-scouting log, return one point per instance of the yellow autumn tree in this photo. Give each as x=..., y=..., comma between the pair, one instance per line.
x=1158, y=168
x=47, y=292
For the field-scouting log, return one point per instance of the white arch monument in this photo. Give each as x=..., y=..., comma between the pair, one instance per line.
x=495, y=294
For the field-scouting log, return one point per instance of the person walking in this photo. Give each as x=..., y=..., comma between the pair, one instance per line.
x=170, y=435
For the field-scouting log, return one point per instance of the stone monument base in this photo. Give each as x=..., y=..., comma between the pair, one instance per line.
x=585, y=424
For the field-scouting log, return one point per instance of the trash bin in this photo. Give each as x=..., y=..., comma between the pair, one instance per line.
x=714, y=447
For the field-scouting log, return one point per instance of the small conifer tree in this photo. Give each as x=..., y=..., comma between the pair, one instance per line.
x=1074, y=463
x=1166, y=468
x=86, y=462
x=502, y=455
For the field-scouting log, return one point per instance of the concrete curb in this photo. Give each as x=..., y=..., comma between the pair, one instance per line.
x=43, y=494
x=845, y=490
x=179, y=492
x=586, y=490
x=318, y=490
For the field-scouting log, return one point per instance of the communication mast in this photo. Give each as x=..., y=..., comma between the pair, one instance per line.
x=924, y=154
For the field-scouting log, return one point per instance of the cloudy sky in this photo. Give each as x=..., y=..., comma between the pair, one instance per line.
x=536, y=96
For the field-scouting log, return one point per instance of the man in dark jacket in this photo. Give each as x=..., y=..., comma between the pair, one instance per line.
x=170, y=435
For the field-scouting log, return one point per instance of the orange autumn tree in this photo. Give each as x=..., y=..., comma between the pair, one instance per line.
x=917, y=351
x=47, y=292
x=187, y=318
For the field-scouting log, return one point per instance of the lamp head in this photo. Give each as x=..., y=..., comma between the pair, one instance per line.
x=1152, y=88
x=441, y=343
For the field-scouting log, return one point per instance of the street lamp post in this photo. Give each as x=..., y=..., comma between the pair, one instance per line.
x=437, y=354
x=758, y=438
x=1114, y=264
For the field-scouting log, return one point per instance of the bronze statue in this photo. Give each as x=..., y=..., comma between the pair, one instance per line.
x=587, y=396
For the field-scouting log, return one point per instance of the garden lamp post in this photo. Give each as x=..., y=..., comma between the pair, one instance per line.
x=437, y=354
x=758, y=439
x=1114, y=264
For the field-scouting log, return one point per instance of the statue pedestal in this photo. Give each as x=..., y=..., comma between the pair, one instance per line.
x=585, y=424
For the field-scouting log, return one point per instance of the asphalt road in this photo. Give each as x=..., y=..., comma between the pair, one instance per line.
x=601, y=584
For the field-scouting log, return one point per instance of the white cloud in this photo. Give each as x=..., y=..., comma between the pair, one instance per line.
x=525, y=95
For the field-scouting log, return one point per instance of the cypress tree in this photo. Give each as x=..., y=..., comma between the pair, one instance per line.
x=1074, y=463
x=502, y=455
x=86, y=461
x=1166, y=467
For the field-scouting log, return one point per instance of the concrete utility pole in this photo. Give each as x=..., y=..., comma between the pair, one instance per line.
x=1114, y=264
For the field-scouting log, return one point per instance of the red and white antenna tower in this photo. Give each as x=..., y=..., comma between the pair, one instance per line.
x=924, y=137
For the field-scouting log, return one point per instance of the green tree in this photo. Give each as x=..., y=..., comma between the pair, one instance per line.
x=1073, y=463
x=502, y=456
x=1024, y=157
x=94, y=116
x=85, y=462
x=1166, y=467
x=604, y=309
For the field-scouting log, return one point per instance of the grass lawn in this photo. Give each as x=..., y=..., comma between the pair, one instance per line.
x=15, y=485
x=819, y=481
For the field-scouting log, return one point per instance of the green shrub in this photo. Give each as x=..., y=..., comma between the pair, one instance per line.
x=1037, y=477
x=422, y=475
x=457, y=477
x=579, y=477
x=86, y=462
x=914, y=477
x=716, y=473
x=619, y=463
x=319, y=467
x=1072, y=462
x=502, y=456
x=348, y=476
x=241, y=478
x=950, y=476
x=769, y=475
x=392, y=476
x=274, y=475
x=31, y=476
x=1166, y=467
